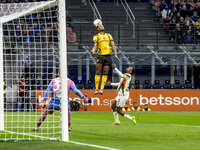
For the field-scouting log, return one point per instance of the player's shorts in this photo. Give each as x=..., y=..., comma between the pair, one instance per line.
x=54, y=104
x=106, y=60
x=121, y=100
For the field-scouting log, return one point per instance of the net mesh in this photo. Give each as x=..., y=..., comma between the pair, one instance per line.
x=30, y=52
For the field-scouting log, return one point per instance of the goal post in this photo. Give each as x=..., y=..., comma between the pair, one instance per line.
x=63, y=70
x=34, y=48
x=1, y=80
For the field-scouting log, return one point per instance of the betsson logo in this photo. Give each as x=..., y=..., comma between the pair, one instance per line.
x=169, y=100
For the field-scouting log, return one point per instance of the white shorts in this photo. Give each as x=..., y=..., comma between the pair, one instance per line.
x=121, y=100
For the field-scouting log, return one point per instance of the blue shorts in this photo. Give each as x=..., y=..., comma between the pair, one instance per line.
x=54, y=103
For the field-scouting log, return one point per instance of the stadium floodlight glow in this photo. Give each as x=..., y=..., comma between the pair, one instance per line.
x=35, y=41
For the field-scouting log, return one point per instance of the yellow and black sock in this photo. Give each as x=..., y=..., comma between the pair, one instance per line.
x=103, y=81
x=97, y=79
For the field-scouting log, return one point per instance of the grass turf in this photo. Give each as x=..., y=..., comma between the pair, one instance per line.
x=154, y=131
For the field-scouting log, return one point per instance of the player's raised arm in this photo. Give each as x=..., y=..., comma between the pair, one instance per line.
x=77, y=92
x=125, y=77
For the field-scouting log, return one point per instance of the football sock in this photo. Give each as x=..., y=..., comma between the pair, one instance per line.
x=103, y=81
x=127, y=116
x=97, y=78
x=42, y=118
x=69, y=117
x=116, y=116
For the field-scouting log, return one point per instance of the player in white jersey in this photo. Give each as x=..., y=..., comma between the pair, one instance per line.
x=122, y=94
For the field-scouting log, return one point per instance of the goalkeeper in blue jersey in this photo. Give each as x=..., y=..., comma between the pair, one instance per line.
x=54, y=103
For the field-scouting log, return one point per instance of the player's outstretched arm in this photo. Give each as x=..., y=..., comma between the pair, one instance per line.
x=46, y=95
x=119, y=72
x=49, y=88
x=77, y=92
x=111, y=84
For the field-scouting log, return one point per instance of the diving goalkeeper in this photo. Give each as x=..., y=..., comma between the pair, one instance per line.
x=54, y=103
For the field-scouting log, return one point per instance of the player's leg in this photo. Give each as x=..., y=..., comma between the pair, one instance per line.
x=115, y=114
x=49, y=110
x=43, y=117
x=122, y=113
x=97, y=77
x=69, y=119
x=107, y=60
x=104, y=78
x=121, y=103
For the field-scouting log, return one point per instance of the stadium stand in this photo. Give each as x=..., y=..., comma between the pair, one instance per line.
x=147, y=27
x=189, y=11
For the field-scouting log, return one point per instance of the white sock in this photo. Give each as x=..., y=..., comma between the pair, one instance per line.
x=127, y=116
x=116, y=116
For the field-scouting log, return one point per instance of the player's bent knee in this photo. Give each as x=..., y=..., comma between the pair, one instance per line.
x=119, y=111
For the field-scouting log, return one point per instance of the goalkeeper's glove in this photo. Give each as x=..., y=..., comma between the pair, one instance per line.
x=88, y=100
x=43, y=103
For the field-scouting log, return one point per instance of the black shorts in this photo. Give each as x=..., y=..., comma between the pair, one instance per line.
x=106, y=60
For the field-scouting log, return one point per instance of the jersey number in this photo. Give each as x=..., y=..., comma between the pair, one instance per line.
x=57, y=85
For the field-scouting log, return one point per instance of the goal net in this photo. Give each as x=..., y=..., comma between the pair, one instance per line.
x=29, y=56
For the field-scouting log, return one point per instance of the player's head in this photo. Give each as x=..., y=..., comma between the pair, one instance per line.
x=135, y=104
x=146, y=106
x=100, y=28
x=22, y=78
x=130, y=70
x=126, y=105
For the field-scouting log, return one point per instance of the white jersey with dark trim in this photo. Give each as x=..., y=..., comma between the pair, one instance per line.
x=123, y=85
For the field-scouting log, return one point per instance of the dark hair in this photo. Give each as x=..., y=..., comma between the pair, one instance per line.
x=145, y=104
x=133, y=71
x=134, y=103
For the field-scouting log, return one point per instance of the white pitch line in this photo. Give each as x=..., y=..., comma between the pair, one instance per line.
x=92, y=145
x=179, y=125
x=78, y=143
x=29, y=135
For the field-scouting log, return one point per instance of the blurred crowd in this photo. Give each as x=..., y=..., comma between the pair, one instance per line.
x=181, y=19
x=38, y=27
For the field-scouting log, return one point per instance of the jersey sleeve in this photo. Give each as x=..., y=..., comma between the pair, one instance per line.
x=124, y=76
x=110, y=36
x=95, y=39
x=49, y=88
x=76, y=91
x=114, y=84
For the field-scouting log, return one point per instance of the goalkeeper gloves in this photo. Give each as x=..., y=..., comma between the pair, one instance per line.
x=88, y=100
x=43, y=103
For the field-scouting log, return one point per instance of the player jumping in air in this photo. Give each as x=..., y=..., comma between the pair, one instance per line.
x=123, y=94
x=54, y=103
x=103, y=41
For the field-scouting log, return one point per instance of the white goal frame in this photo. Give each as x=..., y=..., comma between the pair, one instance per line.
x=63, y=63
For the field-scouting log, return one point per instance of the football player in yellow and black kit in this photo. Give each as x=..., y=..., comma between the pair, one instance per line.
x=103, y=41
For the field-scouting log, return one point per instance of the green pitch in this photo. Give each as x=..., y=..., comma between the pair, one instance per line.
x=154, y=131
